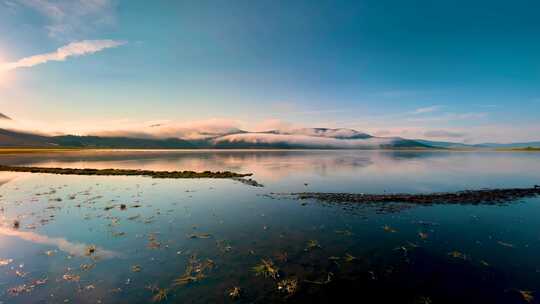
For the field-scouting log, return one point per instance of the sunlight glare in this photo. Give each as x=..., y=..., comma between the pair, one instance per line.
x=4, y=73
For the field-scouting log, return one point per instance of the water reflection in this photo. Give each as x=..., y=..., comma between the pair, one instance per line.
x=74, y=249
x=487, y=254
x=427, y=169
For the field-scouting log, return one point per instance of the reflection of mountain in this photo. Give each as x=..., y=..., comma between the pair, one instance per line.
x=266, y=165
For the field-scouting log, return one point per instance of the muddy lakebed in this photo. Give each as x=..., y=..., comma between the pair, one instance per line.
x=135, y=239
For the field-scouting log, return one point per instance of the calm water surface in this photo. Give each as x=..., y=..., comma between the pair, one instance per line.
x=76, y=243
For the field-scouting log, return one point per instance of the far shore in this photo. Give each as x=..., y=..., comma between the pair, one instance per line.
x=38, y=150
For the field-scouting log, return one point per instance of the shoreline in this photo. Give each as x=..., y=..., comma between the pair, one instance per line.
x=126, y=172
x=38, y=150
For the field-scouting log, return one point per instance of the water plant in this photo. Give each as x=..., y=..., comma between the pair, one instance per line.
x=389, y=229
x=234, y=292
x=312, y=244
x=195, y=271
x=266, y=269
x=458, y=255
x=199, y=236
x=90, y=250
x=160, y=295
x=349, y=258
x=288, y=286
x=527, y=295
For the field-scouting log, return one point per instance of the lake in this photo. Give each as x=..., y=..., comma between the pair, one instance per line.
x=121, y=239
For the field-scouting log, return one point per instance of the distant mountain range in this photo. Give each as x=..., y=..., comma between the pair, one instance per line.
x=452, y=145
x=308, y=138
x=318, y=138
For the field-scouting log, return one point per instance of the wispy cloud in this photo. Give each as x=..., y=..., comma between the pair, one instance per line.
x=73, y=49
x=449, y=117
x=425, y=110
x=167, y=129
x=69, y=19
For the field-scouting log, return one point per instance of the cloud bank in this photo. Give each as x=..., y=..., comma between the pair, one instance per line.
x=199, y=129
x=73, y=49
x=304, y=140
x=216, y=127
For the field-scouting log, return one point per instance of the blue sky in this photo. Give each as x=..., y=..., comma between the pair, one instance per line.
x=444, y=70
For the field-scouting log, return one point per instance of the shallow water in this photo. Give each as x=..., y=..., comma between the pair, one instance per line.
x=415, y=254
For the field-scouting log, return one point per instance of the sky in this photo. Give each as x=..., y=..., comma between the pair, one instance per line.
x=463, y=71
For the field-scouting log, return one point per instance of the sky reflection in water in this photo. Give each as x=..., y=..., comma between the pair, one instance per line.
x=494, y=249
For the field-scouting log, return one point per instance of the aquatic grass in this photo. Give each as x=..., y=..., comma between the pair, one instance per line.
x=234, y=292
x=195, y=271
x=288, y=286
x=266, y=269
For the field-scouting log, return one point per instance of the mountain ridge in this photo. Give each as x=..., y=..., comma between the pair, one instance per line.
x=318, y=138
x=306, y=138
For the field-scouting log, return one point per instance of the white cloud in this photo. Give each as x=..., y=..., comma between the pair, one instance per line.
x=449, y=117
x=73, y=49
x=168, y=129
x=425, y=110
x=68, y=19
x=304, y=140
